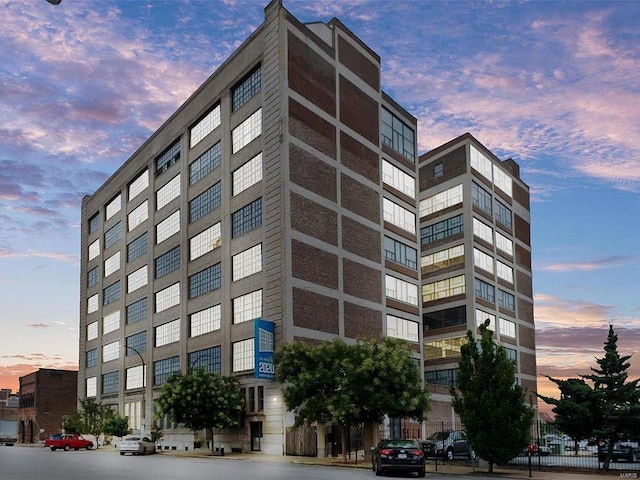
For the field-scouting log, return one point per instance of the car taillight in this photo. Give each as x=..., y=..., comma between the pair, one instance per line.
x=417, y=453
x=386, y=452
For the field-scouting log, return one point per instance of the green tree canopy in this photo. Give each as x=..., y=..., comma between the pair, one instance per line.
x=117, y=425
x=202, y=400
x=490, y=403
x=351, y=384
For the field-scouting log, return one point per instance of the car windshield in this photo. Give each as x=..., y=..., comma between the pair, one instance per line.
x=400, y=443
x=439, y=436
x=132, y=439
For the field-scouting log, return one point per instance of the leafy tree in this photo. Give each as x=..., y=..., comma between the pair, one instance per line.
x=618, y=399
x=94, y=415
x=350, y=384
x=117, y=425
x=201, y=400
x=73, y=423
x=576, y=410
x=156, y=432
x=490, y=403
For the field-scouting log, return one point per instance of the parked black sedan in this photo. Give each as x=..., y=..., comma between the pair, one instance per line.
x=398, y=456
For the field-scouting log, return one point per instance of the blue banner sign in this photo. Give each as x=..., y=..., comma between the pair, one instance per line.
x=264, y=346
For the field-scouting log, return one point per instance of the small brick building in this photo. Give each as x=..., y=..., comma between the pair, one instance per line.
x=46, y=396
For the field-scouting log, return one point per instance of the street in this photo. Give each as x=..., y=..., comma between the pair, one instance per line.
x=37, y=463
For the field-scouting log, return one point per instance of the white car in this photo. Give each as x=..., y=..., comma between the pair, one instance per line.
x=137, y=445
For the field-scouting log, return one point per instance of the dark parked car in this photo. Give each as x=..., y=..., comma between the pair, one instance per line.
x=447, y=444
x=398, y=456
x=621, y=451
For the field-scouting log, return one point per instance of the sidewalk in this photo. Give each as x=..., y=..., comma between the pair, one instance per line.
x=443, y=469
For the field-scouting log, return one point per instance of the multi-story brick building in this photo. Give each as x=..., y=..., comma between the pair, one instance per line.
x=283, y=189
x=475, y=240
x=46, y=396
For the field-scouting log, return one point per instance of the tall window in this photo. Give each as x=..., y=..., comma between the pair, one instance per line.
x=205, y=126
x=504, y=271
x=138, y=215
x=162, y=369
x=111, y=293
x=168, y=333
x=502, y=180
x=246, y=132
x=205, y=163
x=398, y=179
x=168, y=262
x=400, y=290
x=92, y=358
x=247, y=307
x=504, y=243
x=92, y=331
x=246, y=88
x=92, y=277
x=204, y=203
x=503, y=214
x=482, y=316
x=137, y=279
x=92, y=303
x=205, y=281
x=205, y=321
x=246, y=219
x=91, y=386
x=443, y=288
x=137, y=247
x=168, y=227
x=168, y=192
x=139, y=185
x=482, y=260
x=94, y=224
x=441, y=230
x=205, y=242
x=483, y=231
x=113, y=206
x=484, y=290
x=170, y=156
x=400, y=253
x=248, y=174
x=397, y=135
x=111, y=351
x=481, y=163
x=110, y=382
x=399, y=216
x=247, y=262
x=112, y=235
x=507, y=328
x=210, y=359
x=135, y=377
x=111, y=322
x=440, y=201
x=243, y=355
x=481, y=198
x=137, y=311
x=402, y=328
x=137, y=342
x=168, y=297
x=112, y=264
x=506, y=300
x=94, y=249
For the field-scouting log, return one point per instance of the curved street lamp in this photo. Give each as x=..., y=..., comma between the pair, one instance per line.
x=144, y=390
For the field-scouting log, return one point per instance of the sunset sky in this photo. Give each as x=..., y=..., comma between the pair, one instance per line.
x=554, y=85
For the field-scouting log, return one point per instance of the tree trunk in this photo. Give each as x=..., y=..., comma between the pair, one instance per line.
x=490, y=467
x=343, y=435
x=213, y=447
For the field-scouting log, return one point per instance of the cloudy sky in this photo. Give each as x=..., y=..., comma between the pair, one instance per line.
x=554, y=85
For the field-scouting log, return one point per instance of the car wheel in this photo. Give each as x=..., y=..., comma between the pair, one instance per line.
x=122, y=453
x=378, y=470
x=88, y=447
x=76, y=449
x=144, y=451
x=67, y=448
x=421, y=472
x=53, y=449
x=449, y=454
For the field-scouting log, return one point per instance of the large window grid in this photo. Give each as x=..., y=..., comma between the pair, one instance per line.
x=507, y=328
x=482, y=260
x=167, y=333
x=137, y=342
x=204, y=127
x=246, y=219
x=247, y=131
x=137, y=311
x=167, y=262
x=506, y=300
x=205, y=281
x=168, y=158
x=112, y=235
x=110, y=382
x=481, y=163
x=94, y=223
x=482, y=316
x=205, y=242
x=402, y=328
x=92, y=387
x=440, y=201
x=113, y=207
x=139, y=185
x=247, y=175
x=93, y=276
x=445, y=348
x=504, y=243
x=247, y=307
x=401, y=290
x=137, y=279
x=135, y=377
x=247, y=263
x=484, y=290
x=441, y=230
x=91, y=358
x=111, y=322
x=111, y=293
x=168, y=297
x=168, y=227
x=483, y=231
x=449, y=317
x=205, y=163
x=448, y=377
x=398, y=179
x=448, y=287
x=162, y=369
x=168, y=192
x=397, y=135
x=92, y=331
x=503, y=214
x=210, y=359
x=92, y=303
x=504, y=271
x=399, y=216
x=94, y=249
x=205, y=321
x=481, y=198
x=112, y=264
x=138, y=215
x=246, y=88
x=400, y=253
x=137, y=247
x=502, y=180
x=204, y=203
x=243, y=355
x=111, y=351
x=443, y=258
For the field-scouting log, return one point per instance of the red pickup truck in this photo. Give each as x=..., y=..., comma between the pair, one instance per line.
x=67, y=441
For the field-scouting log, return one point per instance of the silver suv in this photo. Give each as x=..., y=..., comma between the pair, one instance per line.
x=448, y=445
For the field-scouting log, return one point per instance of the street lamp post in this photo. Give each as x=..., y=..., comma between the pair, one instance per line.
x=144, y=391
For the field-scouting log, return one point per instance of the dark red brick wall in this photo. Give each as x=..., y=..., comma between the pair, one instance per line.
x=362, y=322
x=315, y=311
x=313, y=219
